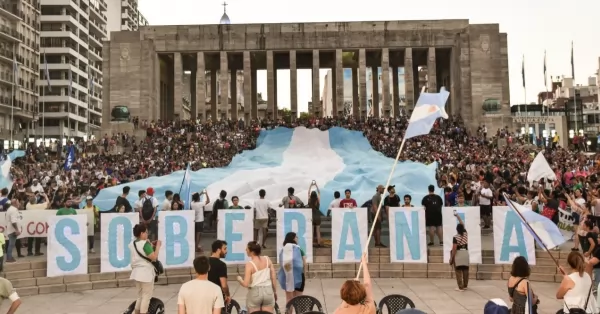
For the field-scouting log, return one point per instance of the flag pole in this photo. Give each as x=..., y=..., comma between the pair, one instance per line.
x=183, y=180
x=514, y=207
x=389, y=181
x=12, y=104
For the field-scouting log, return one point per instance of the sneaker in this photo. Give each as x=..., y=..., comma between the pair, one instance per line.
x=92, y=251
x=39, y=254
x=29, y=254
x=441, y=243
x=430, y=244
x=11, y=260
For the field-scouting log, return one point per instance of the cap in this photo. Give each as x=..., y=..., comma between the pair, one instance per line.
x=150, y=191
x=89, y=198
x=495, y=306
x=391, y=187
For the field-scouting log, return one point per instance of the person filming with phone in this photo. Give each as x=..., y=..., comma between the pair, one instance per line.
x=459, y=257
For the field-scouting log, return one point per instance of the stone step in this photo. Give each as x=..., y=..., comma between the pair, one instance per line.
x=94, y=281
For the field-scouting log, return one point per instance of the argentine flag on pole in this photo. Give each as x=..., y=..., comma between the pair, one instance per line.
x=544, y=231
x=292, y=267
x=186, y=193
x=429, y=108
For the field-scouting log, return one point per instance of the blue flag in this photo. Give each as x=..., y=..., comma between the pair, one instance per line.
x=429, y=108
x=70, y=158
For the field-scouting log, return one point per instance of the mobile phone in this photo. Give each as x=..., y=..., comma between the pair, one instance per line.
x=455, y=212
x=314, y=182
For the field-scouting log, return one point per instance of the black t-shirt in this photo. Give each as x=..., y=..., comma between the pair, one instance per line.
x=393, y=201
x=593, y=236
x=433, y=203
x=121, y=201
x=218, y=270
x=596, y=254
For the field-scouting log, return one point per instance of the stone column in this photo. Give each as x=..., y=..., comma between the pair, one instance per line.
x=362, y=82
x=200, y=87
x=454, y=81
x=177, y=86
x=409, y=91
x=193, y=104
x=234, y=104
x=316, y=95
x=355, y=101
x=254, y=91
x=396, y=92
x=270, y=85
x=247, y=86
x=339, y=84
x=214, y=109
x=293, y=85
x=275, y=103
x=385, y=80
x=375, y=91
x=334, y=108
x=431, y=71
x=224, y=82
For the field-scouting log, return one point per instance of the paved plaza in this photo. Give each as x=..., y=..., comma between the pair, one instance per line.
x=434, y=296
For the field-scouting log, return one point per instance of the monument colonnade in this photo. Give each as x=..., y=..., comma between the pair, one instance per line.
x=204, y=66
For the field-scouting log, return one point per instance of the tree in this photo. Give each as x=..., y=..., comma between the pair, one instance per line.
x=304, y=115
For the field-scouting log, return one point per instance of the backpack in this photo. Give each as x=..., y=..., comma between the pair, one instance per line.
x=368, y=205
x=147, y=209
x=156, y=306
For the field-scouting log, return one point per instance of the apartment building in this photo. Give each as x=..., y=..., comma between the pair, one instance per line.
x=19, y=43
x=72, y=32
x=124, y=15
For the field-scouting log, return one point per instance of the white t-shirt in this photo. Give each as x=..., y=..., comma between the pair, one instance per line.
x=262, y=209
x=198, y=208
x=335, y=203
x=141, y=269
x=166, y=205
x=487, y=192
x=200, y=303
x=13, y=216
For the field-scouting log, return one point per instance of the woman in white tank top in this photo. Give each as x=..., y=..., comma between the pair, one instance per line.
x=259, y=278
x=575, y=288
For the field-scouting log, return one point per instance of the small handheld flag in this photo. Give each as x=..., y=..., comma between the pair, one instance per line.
x=70, y=158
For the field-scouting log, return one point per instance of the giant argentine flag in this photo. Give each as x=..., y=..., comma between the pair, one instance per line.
x=429, y=108
x=292, y=267
x=337, y=159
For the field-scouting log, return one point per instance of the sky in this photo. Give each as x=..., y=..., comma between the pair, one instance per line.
x=533, y=26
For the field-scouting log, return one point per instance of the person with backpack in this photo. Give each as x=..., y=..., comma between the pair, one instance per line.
x=221, y=203
x=148, y=214
x=291, y=201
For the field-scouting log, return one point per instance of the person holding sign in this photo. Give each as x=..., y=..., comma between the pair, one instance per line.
x=259, y=278
x=13, y=229
x=142, y=270
x=459, y=257
x=357, y=298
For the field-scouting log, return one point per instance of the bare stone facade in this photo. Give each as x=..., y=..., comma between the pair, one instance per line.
x=144, y=69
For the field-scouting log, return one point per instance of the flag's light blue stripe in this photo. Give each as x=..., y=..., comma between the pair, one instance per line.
x=366, y=168
x=540, y=227
x=269, y=153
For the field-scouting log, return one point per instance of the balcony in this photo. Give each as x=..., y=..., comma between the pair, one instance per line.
x=9, y=34
x=9, y=12
x=7, y=79
x=6, y=56
x=95, y=41
x=95, y=54
x=100, y=30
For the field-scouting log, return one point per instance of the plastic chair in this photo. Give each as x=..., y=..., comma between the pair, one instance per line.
x=303, y=304
x=233, y=305
x=394, y=303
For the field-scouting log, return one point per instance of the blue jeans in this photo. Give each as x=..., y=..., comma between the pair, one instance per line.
x=12, y=241
x=596, y=277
